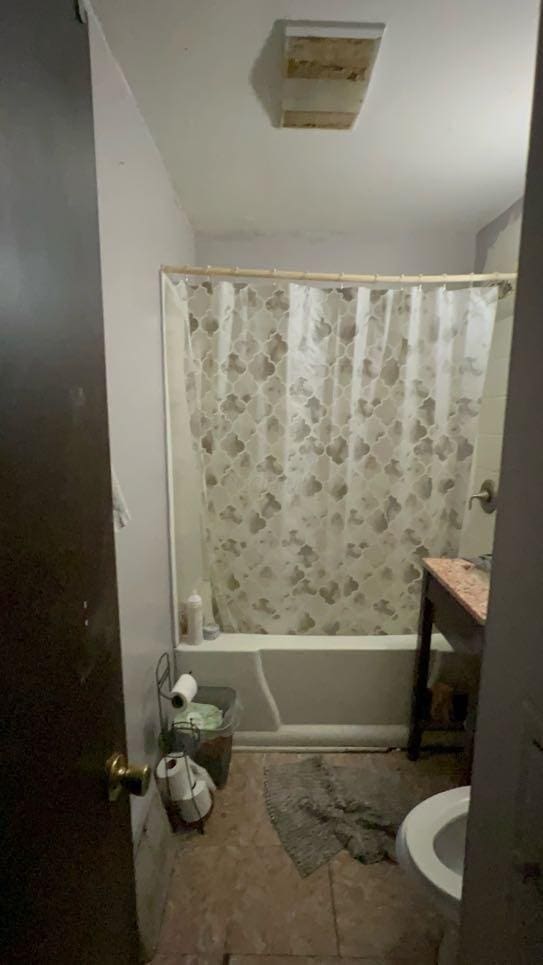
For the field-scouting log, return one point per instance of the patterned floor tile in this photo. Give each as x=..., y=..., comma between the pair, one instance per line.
x=380, y=914
x=236, y=897
x=275, y=911
x=198, y=906
x=176, y=958
x=301, y=960
x=239, y=812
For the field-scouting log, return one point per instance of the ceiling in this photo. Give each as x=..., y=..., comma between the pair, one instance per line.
x=440, y=141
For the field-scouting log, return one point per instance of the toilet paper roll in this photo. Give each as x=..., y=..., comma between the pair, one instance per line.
x=197, y=806
x=183, y=691
x=175, y=779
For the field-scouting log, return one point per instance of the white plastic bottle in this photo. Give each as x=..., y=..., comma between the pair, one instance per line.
x=195, y=620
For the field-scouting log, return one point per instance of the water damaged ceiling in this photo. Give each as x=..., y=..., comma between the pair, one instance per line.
x=326, y=72
x=440, y=139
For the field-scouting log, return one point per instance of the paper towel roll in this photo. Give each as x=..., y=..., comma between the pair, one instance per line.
x=175, y=778
x=183, y=691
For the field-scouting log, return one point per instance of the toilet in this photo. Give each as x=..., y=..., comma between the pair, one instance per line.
x=430, y=847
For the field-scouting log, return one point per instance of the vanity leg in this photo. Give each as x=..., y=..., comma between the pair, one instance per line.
x=422, y=664
x=471, y=725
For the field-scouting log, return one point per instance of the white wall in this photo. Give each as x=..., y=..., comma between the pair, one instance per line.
x=141, y=227
x=497, y=250
x=187, y=494
x=386, y=253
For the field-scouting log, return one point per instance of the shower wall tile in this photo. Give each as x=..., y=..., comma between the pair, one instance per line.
x=478, y=528
x=489, y=450
x=492, y=415
x=496, y=377
x=503, y=335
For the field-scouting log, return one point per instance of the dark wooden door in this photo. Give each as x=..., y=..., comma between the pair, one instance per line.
x=503, y=886
x=66, y=855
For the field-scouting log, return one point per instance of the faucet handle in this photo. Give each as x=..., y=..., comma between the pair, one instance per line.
x=488, y=497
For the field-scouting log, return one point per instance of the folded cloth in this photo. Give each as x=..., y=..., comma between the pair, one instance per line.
x=202, y=716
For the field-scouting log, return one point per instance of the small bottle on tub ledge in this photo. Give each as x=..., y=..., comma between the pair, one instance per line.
x=195, y=634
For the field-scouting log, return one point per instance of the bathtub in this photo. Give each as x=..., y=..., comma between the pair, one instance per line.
x=311, y=691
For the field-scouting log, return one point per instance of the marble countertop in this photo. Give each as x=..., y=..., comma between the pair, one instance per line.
x=469, y=585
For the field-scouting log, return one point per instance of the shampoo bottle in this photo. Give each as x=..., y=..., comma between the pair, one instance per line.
x=194, y=619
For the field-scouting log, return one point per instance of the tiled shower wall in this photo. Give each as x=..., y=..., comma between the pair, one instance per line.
x=497, y=250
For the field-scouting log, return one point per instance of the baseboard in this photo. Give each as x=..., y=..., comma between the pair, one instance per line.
x=331, y=736
x=153, y=864
x=339, y=737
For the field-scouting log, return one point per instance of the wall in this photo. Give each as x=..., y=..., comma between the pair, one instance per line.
x=497, y=244
x=501, y=904
x=208, y=77
x=187, y=495
x=426, y=253
x=141, y=226
x=497, y=249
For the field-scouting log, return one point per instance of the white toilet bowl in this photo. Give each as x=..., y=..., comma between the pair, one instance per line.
x=430, y=847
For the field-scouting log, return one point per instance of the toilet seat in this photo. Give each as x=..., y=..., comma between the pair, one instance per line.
x=416, y=846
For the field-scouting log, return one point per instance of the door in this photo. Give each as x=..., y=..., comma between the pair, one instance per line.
x=67, y=889
x=503, y=889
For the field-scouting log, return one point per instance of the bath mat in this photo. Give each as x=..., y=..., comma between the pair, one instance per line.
x=318, y=810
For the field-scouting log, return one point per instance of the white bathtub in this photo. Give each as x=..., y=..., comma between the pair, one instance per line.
x=329, y=692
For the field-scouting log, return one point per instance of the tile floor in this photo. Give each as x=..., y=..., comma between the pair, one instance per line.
x=235, y=896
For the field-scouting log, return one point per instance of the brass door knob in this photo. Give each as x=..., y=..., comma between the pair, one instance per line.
x=134, y=778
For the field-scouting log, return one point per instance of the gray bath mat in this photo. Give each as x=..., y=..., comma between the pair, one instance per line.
x=318, y=809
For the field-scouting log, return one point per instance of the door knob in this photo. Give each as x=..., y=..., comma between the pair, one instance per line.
x=134, y=778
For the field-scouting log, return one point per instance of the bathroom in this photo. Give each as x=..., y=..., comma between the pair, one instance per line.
x=253, y=513
x=324, y=437
x=309, y=238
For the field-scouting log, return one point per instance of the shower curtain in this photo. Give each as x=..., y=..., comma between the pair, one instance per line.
x=334, y=430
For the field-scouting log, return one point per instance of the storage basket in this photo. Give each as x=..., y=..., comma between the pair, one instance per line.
x=211, y=748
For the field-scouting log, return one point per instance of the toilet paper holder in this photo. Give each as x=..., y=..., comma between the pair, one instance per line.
x=164, y=679
x=164, y=684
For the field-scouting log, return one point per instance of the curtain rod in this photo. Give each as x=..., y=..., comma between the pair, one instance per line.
x=209, y=270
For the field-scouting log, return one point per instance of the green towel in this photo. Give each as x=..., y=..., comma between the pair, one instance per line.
x=203, y=716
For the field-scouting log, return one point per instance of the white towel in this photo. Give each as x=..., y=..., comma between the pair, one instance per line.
x=121, y=512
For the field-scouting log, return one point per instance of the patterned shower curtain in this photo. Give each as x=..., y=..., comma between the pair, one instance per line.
x=334, y=428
